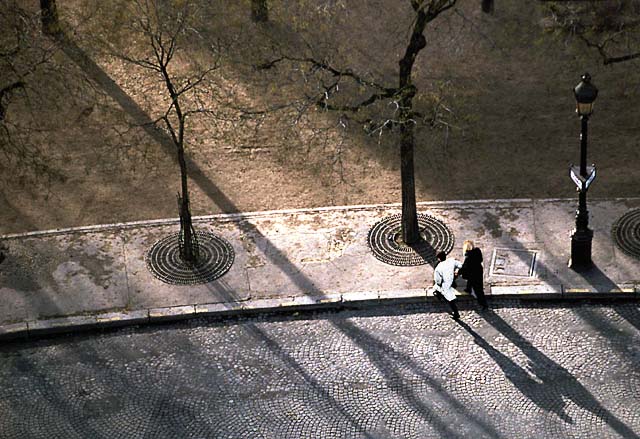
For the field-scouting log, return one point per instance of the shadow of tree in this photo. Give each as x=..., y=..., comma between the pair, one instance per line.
x=540, y=393
x=387, y=360
x=104, y=398
x=598, y=280
x=558, y=385
x=426, y=251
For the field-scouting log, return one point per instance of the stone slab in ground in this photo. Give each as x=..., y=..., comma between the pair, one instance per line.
x=56, y=275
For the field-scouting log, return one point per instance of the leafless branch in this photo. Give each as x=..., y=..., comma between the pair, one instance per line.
x=603, y=34
x=326, y=67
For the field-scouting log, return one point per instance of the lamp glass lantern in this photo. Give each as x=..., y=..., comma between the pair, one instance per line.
x=585, y=94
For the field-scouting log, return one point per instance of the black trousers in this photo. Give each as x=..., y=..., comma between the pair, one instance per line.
x=478, y=289
x=452, y=303
x=454, y=307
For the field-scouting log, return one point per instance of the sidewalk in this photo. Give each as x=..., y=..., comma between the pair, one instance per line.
x=64, y=280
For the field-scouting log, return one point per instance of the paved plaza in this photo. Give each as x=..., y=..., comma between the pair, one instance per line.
x=534, y=370
x=309, y=335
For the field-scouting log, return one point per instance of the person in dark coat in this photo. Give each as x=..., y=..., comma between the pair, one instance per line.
x=472, y=271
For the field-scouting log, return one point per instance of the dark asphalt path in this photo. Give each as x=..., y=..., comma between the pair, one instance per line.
x=534, y=371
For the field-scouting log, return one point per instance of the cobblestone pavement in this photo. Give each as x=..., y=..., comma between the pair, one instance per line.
x=536, y=370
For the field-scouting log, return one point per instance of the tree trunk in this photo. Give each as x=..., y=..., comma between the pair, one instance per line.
x=49, y=17
x=487, y=6
x=410, y=230
x=259, y=11
x=185, y=212
x=188, y=253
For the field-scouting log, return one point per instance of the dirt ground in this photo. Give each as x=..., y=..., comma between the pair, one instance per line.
x=508, y=84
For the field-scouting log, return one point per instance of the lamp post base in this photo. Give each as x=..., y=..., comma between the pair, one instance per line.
x=581, y=249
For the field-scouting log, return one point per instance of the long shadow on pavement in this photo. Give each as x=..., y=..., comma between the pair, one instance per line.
x=386, y=363
x=597, y=279
x=102, y=395
x=562, y=384
x=542, y=394
x=261, y=336
x=390, y=361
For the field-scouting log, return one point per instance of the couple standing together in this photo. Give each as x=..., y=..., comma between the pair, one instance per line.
x=448, y=269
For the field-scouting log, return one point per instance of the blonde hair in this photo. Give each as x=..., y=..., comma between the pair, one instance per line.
x=466, y=246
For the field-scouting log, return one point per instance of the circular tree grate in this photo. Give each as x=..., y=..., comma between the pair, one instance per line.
x=626, y=233
x=385, y=240
x=165, y=263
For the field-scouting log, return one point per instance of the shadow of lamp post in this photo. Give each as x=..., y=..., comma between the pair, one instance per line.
x=585, y=93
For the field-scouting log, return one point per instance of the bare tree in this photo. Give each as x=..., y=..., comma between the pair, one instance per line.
x=165, y=30
x=612, y=27
x=26, y=58
x=331, y=80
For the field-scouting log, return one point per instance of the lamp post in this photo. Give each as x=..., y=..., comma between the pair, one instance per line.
x=585, y=93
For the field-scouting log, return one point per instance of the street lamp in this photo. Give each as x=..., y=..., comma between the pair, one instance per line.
x=585, y=94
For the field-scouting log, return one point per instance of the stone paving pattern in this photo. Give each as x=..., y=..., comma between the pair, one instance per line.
x=320, y=253
x=536, y=370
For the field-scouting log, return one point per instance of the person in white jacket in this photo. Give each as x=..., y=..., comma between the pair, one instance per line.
x=443, y=278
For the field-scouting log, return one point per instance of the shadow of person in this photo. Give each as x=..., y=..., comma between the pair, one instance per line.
x=598, y=280
x=540, y=393
x=556, y=382
x=398, y=366
x=386, y=359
